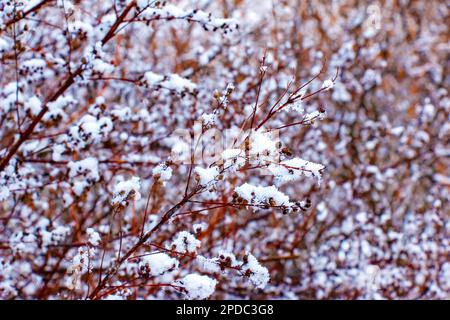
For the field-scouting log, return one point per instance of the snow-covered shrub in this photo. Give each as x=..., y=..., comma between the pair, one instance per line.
x=220, y=149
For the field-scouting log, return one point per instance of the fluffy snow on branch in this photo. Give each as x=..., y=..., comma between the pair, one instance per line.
x=101, y=67
x=293, y=169
x=89, y=130
x=80, y=264
x=80, y=28
x=54, y=237
x=157, y=264
x=33, y=105
x=209, y=119
x=263, y=146
x=215, y=265
x=328, y=84
x=208, y=265
x=197, y=286
x=8, y=96
x=33, y=66
x=126, y=190
x=87, y=167
x=207, y=21
x=233, y=158
x=296, y=106
x=185, y=242
x=4, y=193
x=85, y=173
x=310, y=117
x=258, y=274
x=171, y=82
x=56, y=109
x=94, y=237
x=162, y=172
x=206, y=176
x=199, y=227
x=261, y=195
x=4, y=46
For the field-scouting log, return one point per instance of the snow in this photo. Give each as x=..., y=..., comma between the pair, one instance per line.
x=89, y=130
x=126, y=190
x=33, y=105
x=84, y=173
x=79, y=265
x=233, y=158
x=397, y=131
x=322, y=212
x=228, y=258
x=208, y=265
x=206, y=20
x=142, y=4
x=263, y=146
x=156, y=264
x=101, y=67
x=381, y=157
x=121, y=113
x=209, y=119
x=262, y=195
x=198, y=286
x=223, y=260
x=180, y=151
x=371, y=78
x=162, y=172
x=33, y=65
x=429, y=110
x=328, y=84
x=114, y=297
x=87, y=167
x=185, y=242
x=442, y=179
x=199, y=227
x=30, y=4
x=35, y=69
x=172, y=82
x=259, y=275
x=293, y=169
x=94, y=237
x=56, y=109
x=4, y=193
x=340, y=93
x=76, y=27
x=58, y=150
x=207, y=175
x=297, y=106
x=4, y=46
x=310, y=117
x=56, y=236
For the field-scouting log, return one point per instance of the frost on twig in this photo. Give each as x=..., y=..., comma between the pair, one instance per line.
x=198, y=286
